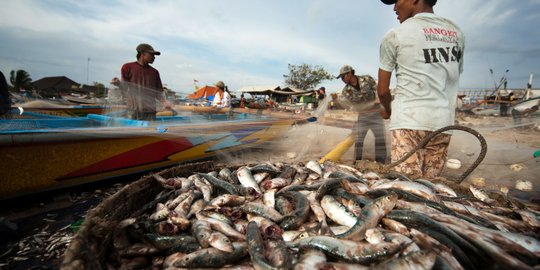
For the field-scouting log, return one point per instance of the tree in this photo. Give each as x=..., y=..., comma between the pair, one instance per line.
x=306, y=77
x=20, y=79
x=100, y=89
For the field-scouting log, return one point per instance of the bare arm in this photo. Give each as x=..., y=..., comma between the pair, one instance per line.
x=383, y=90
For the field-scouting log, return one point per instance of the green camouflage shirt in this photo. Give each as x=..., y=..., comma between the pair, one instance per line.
x=359, y=98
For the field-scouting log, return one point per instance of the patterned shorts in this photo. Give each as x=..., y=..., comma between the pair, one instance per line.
x=426, y=162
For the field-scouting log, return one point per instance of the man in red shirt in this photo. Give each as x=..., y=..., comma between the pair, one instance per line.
x=141, y=85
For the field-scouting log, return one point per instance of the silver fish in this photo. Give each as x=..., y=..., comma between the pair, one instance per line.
x=337, y=212
x=246, y=179
x=220, y=241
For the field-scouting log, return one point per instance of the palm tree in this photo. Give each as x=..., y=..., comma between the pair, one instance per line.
x=20, y=80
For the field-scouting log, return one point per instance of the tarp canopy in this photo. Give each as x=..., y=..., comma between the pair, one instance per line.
x=273, y=89
x=207, y=92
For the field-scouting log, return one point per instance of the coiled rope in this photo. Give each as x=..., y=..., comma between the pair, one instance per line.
x=481, y=156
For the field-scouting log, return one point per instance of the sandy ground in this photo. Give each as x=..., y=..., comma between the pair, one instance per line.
x=507, y=145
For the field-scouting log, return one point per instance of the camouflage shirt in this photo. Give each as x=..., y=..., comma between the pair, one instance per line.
x=359, y=98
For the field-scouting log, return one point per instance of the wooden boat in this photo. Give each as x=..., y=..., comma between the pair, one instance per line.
x=50, y=152
x=74, y=110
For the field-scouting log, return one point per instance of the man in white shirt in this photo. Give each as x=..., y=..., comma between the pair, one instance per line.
x=222, y=99
x=426, y=52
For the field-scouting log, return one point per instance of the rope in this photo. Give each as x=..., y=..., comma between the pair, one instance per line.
x=481, y=156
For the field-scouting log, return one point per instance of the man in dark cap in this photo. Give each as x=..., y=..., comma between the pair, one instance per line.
x=426, y=52
x=359, y=95
x=141, y=84
x=320, y=94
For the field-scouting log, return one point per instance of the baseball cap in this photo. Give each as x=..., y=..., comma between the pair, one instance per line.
x=391, y=2
x=143, y=47
x=344, y=69
x=220, y=84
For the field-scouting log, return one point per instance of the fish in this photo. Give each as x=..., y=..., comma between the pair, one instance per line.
x=337, y=212
x=207, y=257
x=223, y=227
x=201, y=230
x=347, y=250
x=300, y=213
x=315, y=167
x=220, y=241
x=246, y=179
x=370, y=217
x=269, y=197
x=255, y=246
x=263, y=210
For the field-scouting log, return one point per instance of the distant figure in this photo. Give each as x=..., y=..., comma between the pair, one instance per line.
x=333, y=103
x=321, y=94
x=521, y=111
x=505, y=103
x=5, y=100
x=141, y=84
x=426, y=53
x=242, y=101
x=222, y=99
x=359, y=94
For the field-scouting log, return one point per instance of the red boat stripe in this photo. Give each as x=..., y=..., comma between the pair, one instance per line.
x=149, y=153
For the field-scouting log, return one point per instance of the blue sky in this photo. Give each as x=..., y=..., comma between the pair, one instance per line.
x=250, y=42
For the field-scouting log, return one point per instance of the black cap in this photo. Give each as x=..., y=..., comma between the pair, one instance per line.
x=391, y=2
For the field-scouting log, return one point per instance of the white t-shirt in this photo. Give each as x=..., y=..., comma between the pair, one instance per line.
x=226, y=100
x=426, y=52
x=217, y=99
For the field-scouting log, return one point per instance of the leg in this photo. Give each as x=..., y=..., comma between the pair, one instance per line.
x=435, y=153
x=380, y=142
x=361, y=132
x=403, y=141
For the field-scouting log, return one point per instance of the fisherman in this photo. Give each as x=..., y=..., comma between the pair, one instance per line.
x=321, y=94
x=141, y=84
x=426, y=51
x=505, y=103
x=359, y=95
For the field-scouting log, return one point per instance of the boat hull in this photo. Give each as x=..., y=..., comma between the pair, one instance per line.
x=39, y=161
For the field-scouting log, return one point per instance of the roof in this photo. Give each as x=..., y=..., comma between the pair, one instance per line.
x=273, y=89
x=58, y=82
x=206, y=91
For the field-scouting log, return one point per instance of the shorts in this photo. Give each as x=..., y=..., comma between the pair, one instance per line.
x=426, y=162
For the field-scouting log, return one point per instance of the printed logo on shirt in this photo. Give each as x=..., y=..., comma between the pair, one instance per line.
x=442, y=35
x=446, y=54
x=442, y=54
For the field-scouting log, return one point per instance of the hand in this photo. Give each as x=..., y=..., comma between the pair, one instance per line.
x=115, y=81
x=384, y=114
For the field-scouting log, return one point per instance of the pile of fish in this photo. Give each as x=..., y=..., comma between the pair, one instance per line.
x=324, y=216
